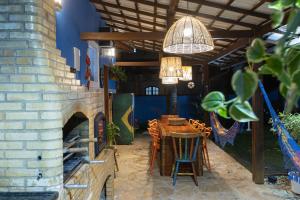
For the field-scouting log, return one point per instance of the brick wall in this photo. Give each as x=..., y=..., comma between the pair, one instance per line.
x=38, y=95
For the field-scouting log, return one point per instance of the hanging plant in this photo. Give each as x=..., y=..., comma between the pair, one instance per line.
x=283, y=63
x=117, y=73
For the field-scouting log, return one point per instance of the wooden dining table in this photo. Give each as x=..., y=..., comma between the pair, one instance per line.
x=166, y=148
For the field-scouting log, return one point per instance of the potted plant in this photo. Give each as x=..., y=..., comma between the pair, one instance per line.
x=112, y=132
x=117, y=73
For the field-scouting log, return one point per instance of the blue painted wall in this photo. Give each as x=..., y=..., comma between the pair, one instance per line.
x=151, y=107
x=75, y=17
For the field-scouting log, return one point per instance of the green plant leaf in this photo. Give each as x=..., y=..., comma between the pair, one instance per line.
x=213, y=101
x=294, y=61
x=283, y=90
x=244, y=83
x=277, y=18
x=256, y=52
x=296, y=79
x=264, y=70
x=222, y=111
x=298, y=5
x=285, y=78
x=242, y=112
x=275, y=64
x=276, y=5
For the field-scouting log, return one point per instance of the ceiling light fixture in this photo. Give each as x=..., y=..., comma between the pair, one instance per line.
x=170, y=67
x=188, y=35
x=169, y=81
x=187, y=73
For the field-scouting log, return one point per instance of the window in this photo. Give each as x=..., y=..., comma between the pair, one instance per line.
x=152, y=90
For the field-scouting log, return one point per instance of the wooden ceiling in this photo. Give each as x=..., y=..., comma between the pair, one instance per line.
x=252, y=16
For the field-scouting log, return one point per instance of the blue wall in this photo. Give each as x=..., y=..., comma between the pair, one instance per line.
x=75, y=17
x=151, y=107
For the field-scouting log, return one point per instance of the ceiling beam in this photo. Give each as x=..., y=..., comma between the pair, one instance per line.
x=151, y=63
x=171, y=12
x=137, y=64
x=157, y=35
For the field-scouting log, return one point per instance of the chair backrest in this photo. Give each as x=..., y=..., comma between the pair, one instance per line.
x=185, y=146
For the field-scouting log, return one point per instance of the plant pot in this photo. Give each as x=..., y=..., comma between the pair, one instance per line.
x=294, y=177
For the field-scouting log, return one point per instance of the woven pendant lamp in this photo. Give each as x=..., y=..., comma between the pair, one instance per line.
x=187, y=73
x=169, y=81
x=188, y=36
x=170, y=67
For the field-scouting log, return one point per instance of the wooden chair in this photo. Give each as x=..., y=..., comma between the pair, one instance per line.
x=185, y=149
x=207, y=133
x=152, y=122
x=155, y=146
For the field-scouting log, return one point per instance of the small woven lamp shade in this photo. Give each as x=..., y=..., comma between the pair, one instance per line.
x=188, y=36
x=187, y=73
x=168, y=80
x=170, y=67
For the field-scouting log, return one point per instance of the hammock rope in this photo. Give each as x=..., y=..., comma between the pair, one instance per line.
x=288, y=145
x=222, y=135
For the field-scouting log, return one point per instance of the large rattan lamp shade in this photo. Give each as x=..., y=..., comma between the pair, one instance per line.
x=188, y=36
x=170, y=67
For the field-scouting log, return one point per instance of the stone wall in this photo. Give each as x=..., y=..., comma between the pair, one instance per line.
x=38, y=94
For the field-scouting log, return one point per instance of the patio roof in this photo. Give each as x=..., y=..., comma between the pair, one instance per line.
x=251, y=18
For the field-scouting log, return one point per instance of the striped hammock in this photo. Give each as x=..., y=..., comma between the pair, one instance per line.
x=222, y=135
x=288, y=145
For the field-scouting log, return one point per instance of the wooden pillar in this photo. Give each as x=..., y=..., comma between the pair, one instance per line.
x=258, y=166
x=173, y=104
x=205, y=88
x=106, y=95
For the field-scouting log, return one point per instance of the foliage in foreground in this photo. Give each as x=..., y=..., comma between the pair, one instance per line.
x=283, y=63
x=291, y=123
x=112, y=132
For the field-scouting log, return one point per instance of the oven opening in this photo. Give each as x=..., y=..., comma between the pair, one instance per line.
x=75, y=144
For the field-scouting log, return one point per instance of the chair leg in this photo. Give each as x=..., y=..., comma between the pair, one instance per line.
x=208, y=162
x=194, y=173
x=175, y=173
x=206, y=158
x=153, y=161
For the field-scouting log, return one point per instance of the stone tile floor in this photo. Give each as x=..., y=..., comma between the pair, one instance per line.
x=228, y=180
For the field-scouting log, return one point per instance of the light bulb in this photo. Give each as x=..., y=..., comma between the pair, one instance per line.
x=58, y=2
x=187, y=32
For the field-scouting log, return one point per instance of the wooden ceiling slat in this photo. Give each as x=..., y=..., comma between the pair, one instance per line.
x=194, y=13
x=127, y=9
x=231, y=8
x=130, y=18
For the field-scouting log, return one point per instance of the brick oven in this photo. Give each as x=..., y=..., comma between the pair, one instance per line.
x=38, y=98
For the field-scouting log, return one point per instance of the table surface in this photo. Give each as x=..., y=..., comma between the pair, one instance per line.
x=167, y=130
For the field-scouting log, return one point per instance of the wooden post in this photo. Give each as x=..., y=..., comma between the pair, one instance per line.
x=205, y=83
x=106, y=96
x=173, y=100
x=258, y=140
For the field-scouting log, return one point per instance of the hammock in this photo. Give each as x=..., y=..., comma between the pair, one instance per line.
x=221, y=134
x=288, y=145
